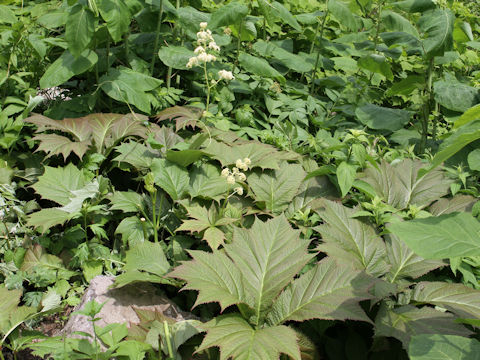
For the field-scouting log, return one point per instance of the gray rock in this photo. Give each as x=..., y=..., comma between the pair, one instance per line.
x=119, y=305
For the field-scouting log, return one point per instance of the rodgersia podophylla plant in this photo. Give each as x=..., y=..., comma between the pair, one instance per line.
x=235, y=176
x=205, y=51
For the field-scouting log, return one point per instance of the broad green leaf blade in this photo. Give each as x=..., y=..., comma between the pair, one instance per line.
x=474, y=159
x=184, y=157
x=7, y=16
x=346, y=174
x=47, y=218
x=67, y=66
x=277, y=188
x=458, y=140
x=132, y=230
x=393, y=21
x=404, y=263
x=9, y=300
x=269, y=254
x=146, y=256
x=79, y=29
x=276, y=11
x=344, y=16
x=470, y=115
x=443, y=347
x=457, y=97
x=376, y=64
x=292, y=61
x=214, y=276
x=135, y=154
x=437, y=29
x=206, y=182
x=117, y=16
x=406, y=322
x=229, y=14
x=175, y=56
x=260, y=67
x=441, y=237
x=49, y=187
x=240, y=341
x=382, y=118
x=170, y=177
x=350, y=241
x=457, y=298
x=126, y=201
x=54, y=144
x=459, y=203
x=414, y=6
x=328, y=291
x=400, y=185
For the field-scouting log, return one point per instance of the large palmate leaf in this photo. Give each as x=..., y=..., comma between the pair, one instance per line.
x=277, y=188
x=238, y=340
x=216, y=278
x=441, y=237
x=100, y=131
x=404, y=263
x=269, y=254
x=437, y=29
x=135, y=154
x=400, y=185
x=328, y=291
x=458, y=203
x=207, y=182
x=444, y=347
x=350, y=241
x=408, y=321
x=457, y=298
x=170, y=177
x=183, y=116
x=206, y=221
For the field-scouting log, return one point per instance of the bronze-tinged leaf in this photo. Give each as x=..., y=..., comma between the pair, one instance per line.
x=183, y=115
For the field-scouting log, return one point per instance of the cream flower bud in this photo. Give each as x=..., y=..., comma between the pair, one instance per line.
x=225, y=172
x=241, y=177
x=235, y=170
x=192, y=62
x=199, y=50
x=239, y=163
x=230, y=180
x=239, y=190
x=226, y=75
x=213, y=45
x=247, y=161
x=202, y=57
x=227, y=31
x=211, y=57
x=203, y=25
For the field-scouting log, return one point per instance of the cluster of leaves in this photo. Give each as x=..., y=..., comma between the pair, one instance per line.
x=342, y=239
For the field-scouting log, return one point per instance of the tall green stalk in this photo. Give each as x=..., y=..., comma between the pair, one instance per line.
x=157, y=38
x=317, y=59
x=427, y=105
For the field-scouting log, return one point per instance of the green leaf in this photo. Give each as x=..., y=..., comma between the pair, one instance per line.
x=129, y=86
x=67, y=66
x=184, y=157
x=437, y=29
x=407, y=322
x=259, y=67
x=147, y=256
x=7, y=15
x=275, y=10
x=342, y=13
x=400, y=185
x=270, y=254
x=469, y=115
x=49, y=187
x=457, y=141
x=214, y=276
x=350, y=241
x=292, y=61
x=131, y=229
x=459, y=203
x=414, y=6
x=79, y=29
x=135, y=154
x=474, y=160
x=277, y=188
x=441, y=237
x=117, y=16
x=229, y=14
x=457, y=97
x=404, y=263
x=240, y=341
x=444, y=347
x=207, y=182
x=393, y=21
x=407, y=86
x=170, y=177
x=376, y=63
x=53, y=144
x=457, y=298
x=126, y=201
x=382, y=118
x=346, y=174
x=328, y=291
x=175, y=56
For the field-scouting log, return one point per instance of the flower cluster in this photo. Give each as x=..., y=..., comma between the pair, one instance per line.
x=234, y=175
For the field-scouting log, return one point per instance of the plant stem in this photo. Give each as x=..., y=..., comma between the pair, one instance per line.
x=208, y=86
x=427, y=105
x=168, y=339
x=157, y=37
x=314, y=71
x=154, y=216
x=239, y=42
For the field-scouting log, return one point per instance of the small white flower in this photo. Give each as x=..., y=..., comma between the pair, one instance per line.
x=192, y=62
x=203, y=25
x=213, y=45
x=226, y=75
x=247, y=161
x=227, y=31
x=199, y=50
x=241, y=177
x=235, y=170
x=230, y=180
x=239, y=163
x=211, y=57
x=239, y=190
x=225, y=172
